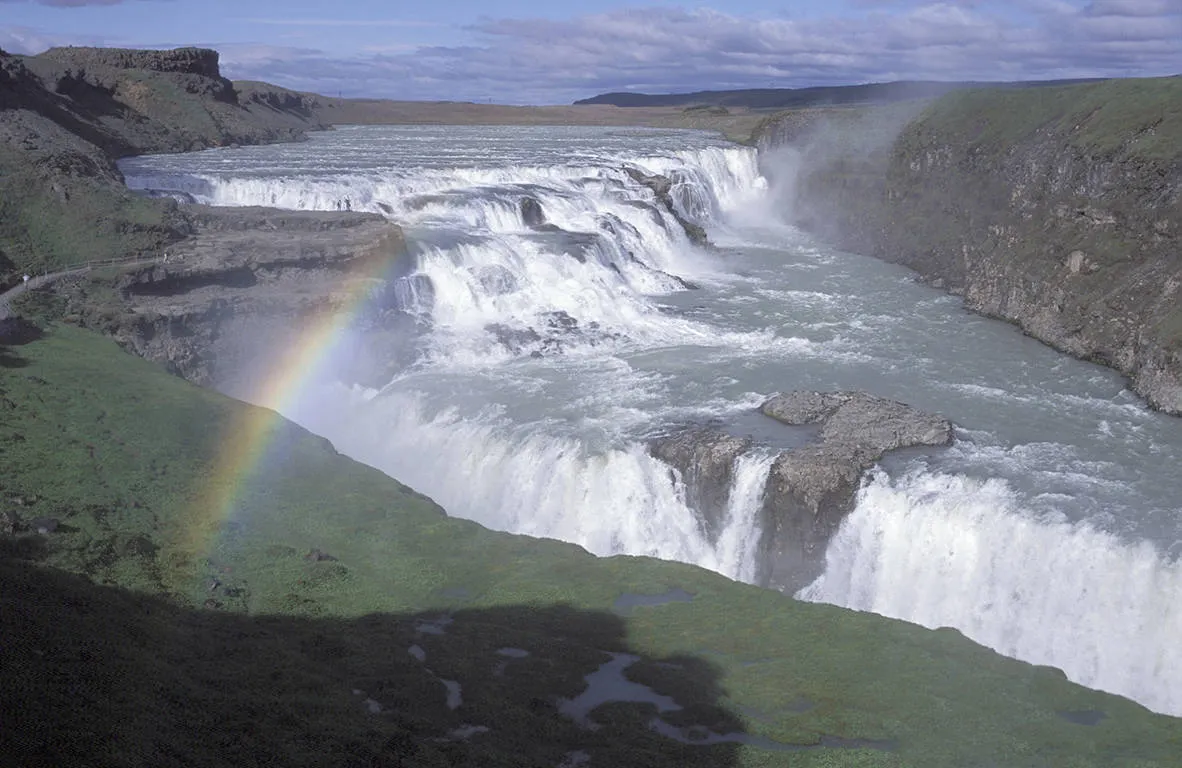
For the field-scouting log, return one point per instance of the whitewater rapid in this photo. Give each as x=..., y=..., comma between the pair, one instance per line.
x=566, y=318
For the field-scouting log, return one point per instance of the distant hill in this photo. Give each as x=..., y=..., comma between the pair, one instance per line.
x=818, y=96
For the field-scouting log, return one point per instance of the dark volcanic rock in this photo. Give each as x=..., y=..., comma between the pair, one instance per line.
x=811, y=489
x=868, y=423
x=532, y=213
x=189, y=61
x=661, y=186
x=706, y=460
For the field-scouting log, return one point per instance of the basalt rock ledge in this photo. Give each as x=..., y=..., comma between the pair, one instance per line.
x=810, y=488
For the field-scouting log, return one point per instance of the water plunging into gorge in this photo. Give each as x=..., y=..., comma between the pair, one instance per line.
x=563, y=317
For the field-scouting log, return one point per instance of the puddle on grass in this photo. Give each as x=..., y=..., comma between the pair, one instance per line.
x=1083, y=716
x=454, y=699
x=435, y=626
x=609, y=685
x=509, y=654
x=629, y=600
x=575, y=759
x=466, y=732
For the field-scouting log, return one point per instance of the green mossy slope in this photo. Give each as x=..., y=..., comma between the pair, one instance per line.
x=1139, y=118
x=207, y=639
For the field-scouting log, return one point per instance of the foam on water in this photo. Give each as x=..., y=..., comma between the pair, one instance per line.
x=501, y=281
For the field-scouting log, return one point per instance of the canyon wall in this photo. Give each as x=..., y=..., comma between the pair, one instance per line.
x=1058, y=209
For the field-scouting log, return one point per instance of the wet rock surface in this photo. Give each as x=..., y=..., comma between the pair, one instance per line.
x=810, y=487
x=705, y=457
x=661, y=186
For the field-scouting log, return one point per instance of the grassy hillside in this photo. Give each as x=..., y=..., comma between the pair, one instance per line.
x=231, y=607
x=1137, y=118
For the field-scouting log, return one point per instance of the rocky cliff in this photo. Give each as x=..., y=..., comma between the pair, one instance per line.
x=811, y=487
x=69, y=113
x=230, y=302
x=1058, y=209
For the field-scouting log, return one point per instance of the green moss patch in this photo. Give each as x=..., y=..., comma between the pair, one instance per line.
x=1139, y=118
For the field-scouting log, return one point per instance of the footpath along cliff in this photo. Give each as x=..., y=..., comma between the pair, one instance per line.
x=1058, y=209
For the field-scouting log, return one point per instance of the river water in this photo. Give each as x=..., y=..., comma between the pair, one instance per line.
x=551, y=350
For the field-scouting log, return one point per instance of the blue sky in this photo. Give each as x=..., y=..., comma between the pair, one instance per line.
x=515, y=51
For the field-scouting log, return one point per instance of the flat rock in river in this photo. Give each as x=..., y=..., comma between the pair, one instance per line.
x=812, y=488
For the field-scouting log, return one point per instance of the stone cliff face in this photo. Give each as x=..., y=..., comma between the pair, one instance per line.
x=1058, y=209
x=188, y=61
x=235, y=298
x=67, y=114
x=132, y=102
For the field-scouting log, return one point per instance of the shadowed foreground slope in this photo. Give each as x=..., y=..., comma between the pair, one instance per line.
x=250, y=595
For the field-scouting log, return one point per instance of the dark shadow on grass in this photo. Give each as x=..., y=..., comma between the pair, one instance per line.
x=10, y=360
x=93, y=675
x=16, y=331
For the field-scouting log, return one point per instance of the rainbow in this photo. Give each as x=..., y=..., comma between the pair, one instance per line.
x=249, y=439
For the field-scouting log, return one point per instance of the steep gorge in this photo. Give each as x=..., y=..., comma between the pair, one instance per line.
x=1058, y=209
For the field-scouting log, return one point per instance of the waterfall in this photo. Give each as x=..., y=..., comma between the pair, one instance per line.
x=947, y=550
x=525, y=479
x=562, y=318
x=523, y=259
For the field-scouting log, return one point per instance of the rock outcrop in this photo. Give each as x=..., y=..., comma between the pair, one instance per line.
x=187, y=61
x=232, y=299
x=68, y=114
x=1058, y=209
x=661, y=186
x=811, y=488
x=706, y=460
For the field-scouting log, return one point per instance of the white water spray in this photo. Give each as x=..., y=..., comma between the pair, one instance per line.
x=944, y=550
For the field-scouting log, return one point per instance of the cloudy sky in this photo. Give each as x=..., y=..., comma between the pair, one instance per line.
x=521, y=52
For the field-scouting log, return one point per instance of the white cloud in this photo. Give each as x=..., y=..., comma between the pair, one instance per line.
x=25, y=40
x=409, y=23
x=661, y=49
